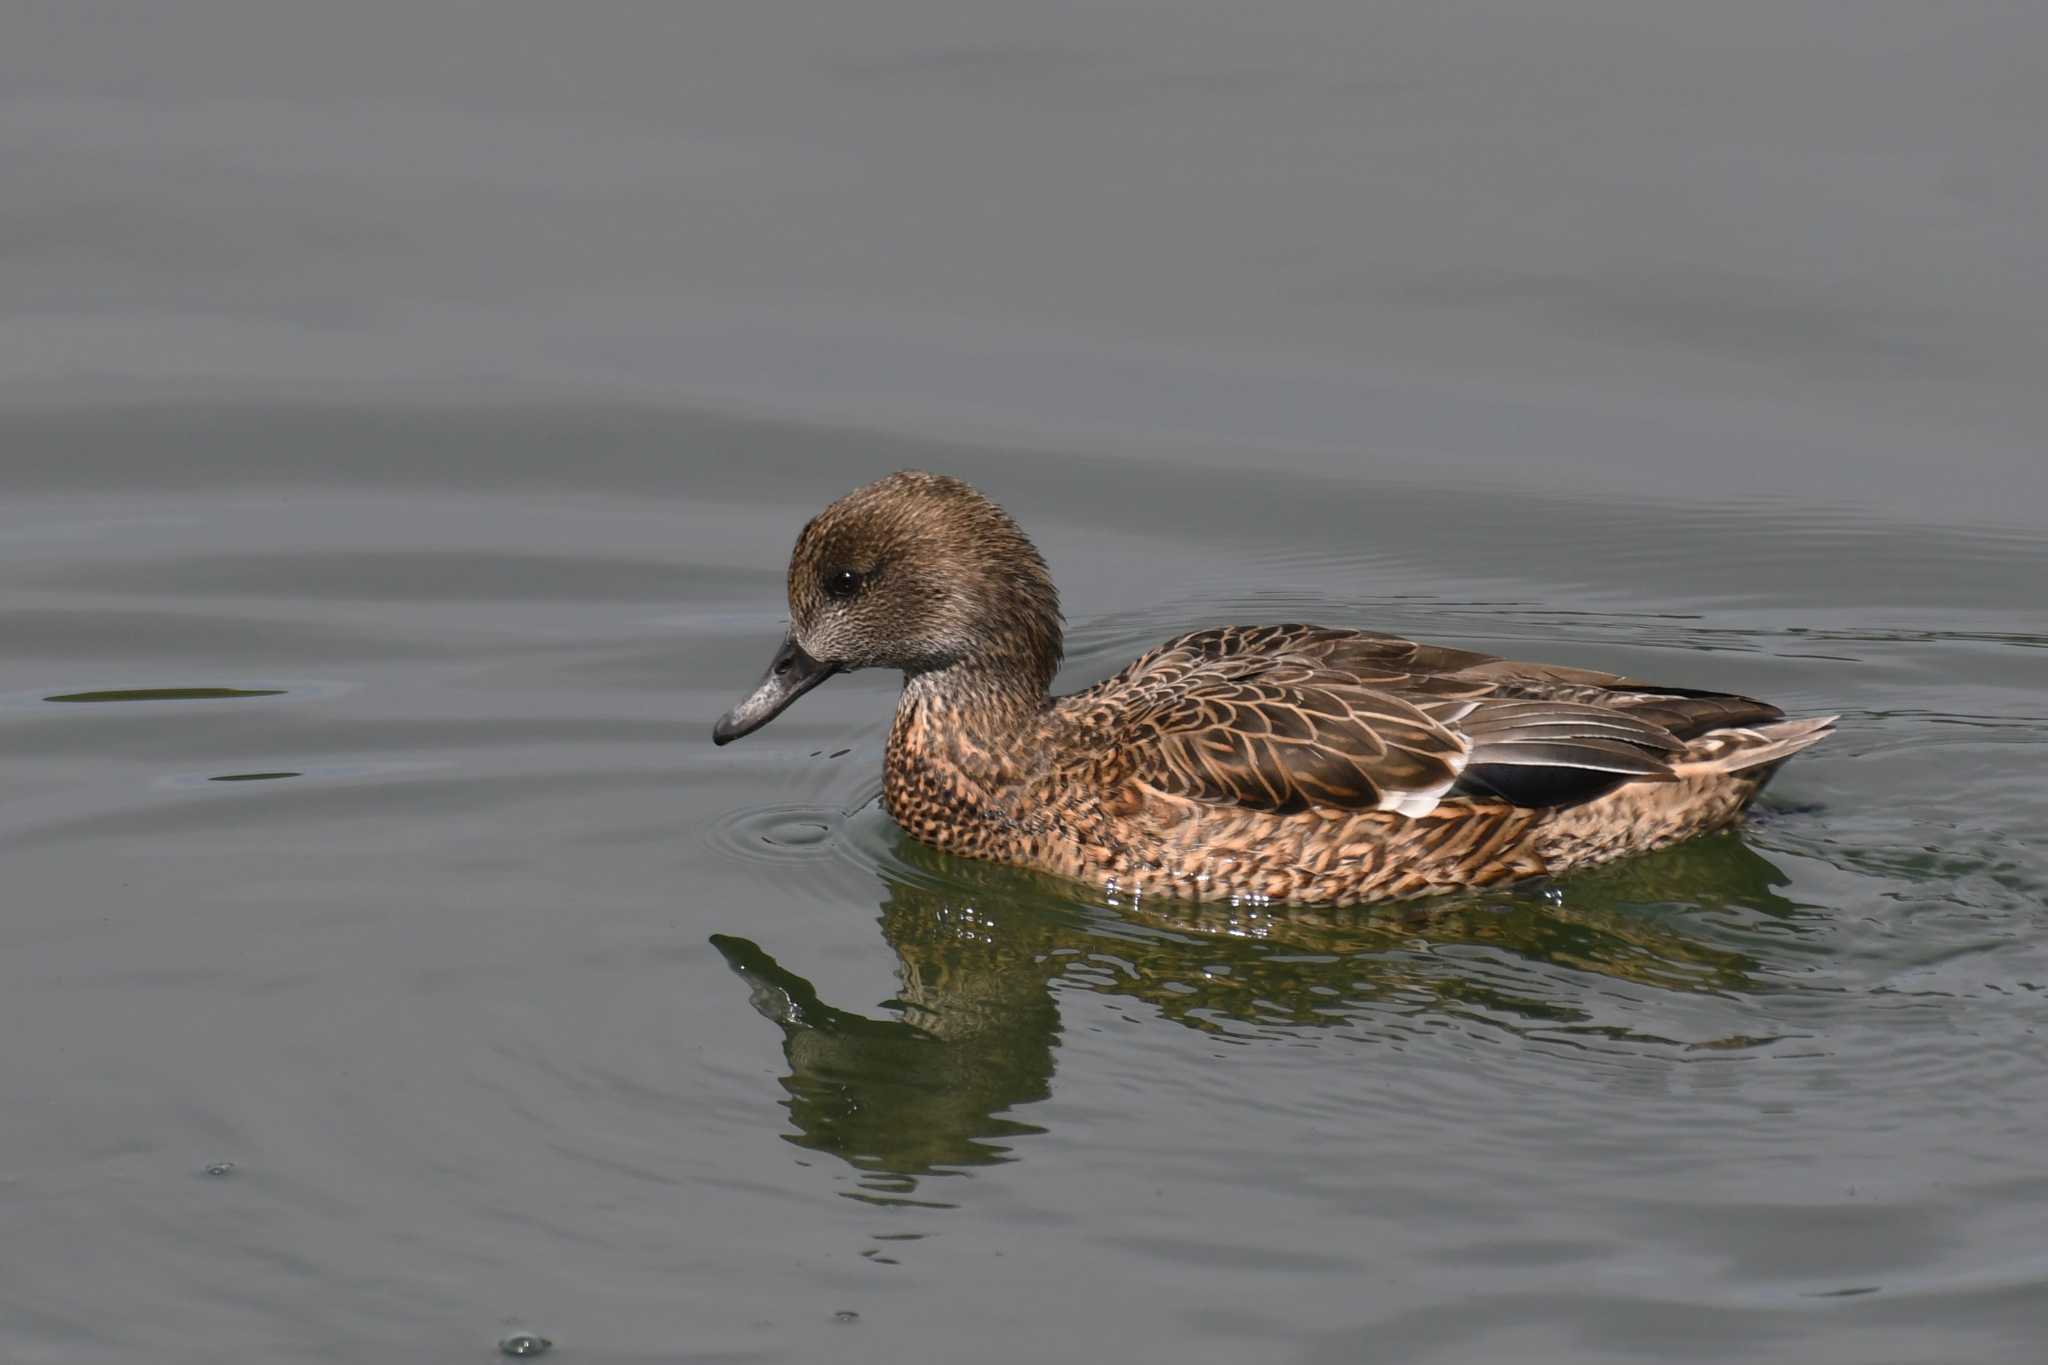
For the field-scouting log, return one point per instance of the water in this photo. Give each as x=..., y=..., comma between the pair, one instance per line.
x=507, y=996
x=401, y=445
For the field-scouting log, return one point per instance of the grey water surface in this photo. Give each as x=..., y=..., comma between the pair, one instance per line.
x=405, y=413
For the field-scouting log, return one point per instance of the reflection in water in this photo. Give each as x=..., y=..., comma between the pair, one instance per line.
x=919, y=1092
x=970, y=1036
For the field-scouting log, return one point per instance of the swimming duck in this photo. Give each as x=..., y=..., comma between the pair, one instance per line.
x=1269, y=763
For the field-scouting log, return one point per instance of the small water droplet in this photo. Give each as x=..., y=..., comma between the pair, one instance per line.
x=220, y=1168
x=523, y=1344
x=846, y=1315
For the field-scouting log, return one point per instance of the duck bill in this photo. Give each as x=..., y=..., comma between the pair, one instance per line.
x=790, y=674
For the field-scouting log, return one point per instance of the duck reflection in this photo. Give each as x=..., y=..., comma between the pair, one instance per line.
x=934, y=1081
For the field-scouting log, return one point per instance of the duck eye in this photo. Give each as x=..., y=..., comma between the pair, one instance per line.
x=843, y=584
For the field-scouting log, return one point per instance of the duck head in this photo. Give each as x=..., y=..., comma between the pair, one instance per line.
x=917, y=572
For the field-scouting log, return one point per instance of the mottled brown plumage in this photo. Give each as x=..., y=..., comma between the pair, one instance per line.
x=1288, y=763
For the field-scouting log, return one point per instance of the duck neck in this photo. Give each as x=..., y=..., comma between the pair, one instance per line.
x=962, y=743
x=986, y=698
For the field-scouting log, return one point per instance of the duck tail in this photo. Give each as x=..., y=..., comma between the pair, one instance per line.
x=1739, y=749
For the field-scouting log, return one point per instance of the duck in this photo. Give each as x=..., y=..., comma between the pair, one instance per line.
x=1266, y=764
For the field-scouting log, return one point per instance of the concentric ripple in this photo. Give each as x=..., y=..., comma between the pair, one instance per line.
x=778, y=834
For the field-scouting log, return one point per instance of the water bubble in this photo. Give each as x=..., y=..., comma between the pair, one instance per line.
x=846, y=1315
x=524, y=1344
x=220, y=1168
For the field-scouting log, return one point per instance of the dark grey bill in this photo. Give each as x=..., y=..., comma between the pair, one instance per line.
x=792, y=674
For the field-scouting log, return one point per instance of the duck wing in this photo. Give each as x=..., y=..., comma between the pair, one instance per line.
x=1280, y=735
x=1290, y=718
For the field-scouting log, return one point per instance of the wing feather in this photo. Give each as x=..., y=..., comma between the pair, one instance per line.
x=1292, y=718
